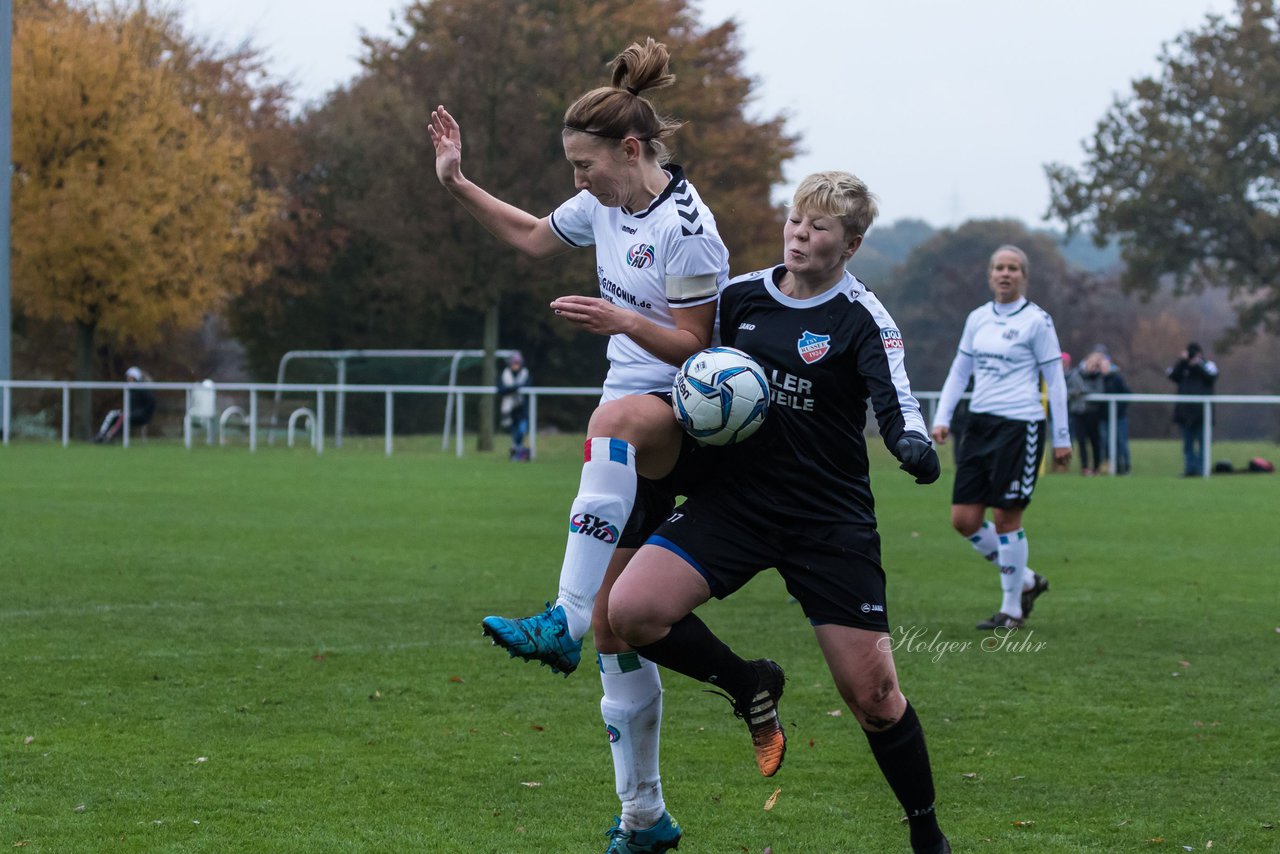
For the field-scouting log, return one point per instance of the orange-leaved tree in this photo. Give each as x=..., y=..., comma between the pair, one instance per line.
x=134, y=208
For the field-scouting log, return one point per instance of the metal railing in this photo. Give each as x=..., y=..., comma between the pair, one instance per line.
x=456, y=401
x=456, y=429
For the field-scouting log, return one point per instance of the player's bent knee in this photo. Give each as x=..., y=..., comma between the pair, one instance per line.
x=633, y=623
x=640, y=419
x=881, y=703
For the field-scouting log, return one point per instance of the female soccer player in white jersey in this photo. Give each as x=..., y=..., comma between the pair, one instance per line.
x=1007, y=345
x=660, y=263
x=797, y=496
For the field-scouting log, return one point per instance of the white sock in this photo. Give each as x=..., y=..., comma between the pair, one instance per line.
x=606, y=495
x=1012, y=560
x=984, y=541
x=1028, y=579
x=632, y=712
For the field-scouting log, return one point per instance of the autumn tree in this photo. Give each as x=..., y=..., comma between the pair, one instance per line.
x=415, y=269
x=1185, y=170
x=134, y=205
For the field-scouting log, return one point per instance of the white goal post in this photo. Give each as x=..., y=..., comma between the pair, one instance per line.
x=340, y=358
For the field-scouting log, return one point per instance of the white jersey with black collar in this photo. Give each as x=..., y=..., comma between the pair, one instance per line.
x=1006, y=349
x=665, y=257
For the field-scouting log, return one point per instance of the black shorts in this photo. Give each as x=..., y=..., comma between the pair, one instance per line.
x=833, y=570
x=655, y=499
x=998, y=461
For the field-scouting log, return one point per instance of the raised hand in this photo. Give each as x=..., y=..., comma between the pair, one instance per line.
x=447, y=138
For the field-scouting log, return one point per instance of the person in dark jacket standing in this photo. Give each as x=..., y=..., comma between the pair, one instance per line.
x=1114, y=383
x=1194, y=374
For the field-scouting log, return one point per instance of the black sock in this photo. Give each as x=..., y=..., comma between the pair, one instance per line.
x=904, y=760
x=692, y=649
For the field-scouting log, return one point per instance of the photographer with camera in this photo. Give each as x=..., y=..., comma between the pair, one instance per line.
x=1194, y=374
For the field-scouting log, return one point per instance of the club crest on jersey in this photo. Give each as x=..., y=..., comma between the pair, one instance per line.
x=892, y=339
x=813, y=347
x=640, y=256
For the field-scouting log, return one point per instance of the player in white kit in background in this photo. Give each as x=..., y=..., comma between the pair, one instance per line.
x=1007, y=345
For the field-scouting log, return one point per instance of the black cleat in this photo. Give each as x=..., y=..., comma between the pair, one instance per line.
x=1029, y=597
x=760, y=711
x=1000, y=620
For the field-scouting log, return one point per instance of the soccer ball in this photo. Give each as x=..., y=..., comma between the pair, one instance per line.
x=720, y=396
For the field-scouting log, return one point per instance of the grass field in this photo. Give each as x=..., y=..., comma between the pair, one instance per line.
x=279, y=652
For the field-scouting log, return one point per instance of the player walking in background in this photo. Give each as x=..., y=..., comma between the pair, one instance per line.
x=797, y=496
x=1007, y=345
x=661, y=264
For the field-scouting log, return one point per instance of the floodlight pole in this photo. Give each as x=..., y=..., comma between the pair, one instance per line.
x=6, y=182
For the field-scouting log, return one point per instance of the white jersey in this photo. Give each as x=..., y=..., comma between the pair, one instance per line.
x=1006, y=349
x=667, y=256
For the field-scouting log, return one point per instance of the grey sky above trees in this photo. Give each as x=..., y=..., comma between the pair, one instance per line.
x=949, y=110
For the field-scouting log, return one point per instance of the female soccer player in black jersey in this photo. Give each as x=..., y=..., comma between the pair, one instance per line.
x=797, y=497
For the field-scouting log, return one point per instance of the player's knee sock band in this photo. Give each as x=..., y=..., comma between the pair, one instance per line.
x=985, y=542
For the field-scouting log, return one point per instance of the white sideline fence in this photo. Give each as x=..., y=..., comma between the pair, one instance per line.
x=455, y=428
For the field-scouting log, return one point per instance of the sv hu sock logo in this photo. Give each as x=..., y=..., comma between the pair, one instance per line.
x=593, y=526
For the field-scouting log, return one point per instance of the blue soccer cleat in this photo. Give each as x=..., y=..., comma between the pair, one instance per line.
x=663, y=836
x=543, y=637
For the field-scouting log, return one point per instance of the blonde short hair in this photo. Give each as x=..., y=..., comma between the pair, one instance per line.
x=1022, y=259
x=841, y=195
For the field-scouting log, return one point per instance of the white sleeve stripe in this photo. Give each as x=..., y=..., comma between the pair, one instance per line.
x=560, y=234
x=685, y=288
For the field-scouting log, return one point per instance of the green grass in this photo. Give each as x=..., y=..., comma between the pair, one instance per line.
x=219, y=651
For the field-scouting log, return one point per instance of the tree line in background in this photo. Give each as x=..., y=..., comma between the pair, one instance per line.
x=170, y=211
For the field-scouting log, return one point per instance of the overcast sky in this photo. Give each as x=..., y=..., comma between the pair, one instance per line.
x=948, y=110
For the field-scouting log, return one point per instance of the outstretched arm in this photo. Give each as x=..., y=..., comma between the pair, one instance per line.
x=517, y=228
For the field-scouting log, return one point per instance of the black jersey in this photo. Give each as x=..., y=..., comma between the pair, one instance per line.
x=825, y=358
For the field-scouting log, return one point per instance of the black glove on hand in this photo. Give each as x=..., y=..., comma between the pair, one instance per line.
x=918, y=458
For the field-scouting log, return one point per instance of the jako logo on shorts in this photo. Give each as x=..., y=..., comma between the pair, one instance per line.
x=593, y=526
x=813, y=347
x=640, y=256
x=612, y=732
